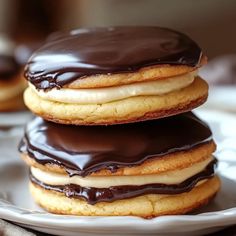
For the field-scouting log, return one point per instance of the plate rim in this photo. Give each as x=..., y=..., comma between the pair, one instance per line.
x=34, y=218
x=201, y=221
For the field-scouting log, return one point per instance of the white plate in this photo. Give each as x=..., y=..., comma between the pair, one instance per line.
x=16, y=204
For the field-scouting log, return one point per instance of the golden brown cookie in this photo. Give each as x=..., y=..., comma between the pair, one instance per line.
x=146, y=206
x=132, y=109
x=100, y=168
x=145, y=74
x=108, y=76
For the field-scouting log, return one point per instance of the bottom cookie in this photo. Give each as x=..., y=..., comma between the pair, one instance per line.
x=146, y=206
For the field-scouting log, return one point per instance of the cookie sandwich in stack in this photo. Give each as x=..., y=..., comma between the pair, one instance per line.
x=115, y=134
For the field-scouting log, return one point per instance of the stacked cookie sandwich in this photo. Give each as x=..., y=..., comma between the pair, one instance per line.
x=114, y=133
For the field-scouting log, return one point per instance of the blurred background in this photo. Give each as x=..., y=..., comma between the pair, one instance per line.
x=211, y=23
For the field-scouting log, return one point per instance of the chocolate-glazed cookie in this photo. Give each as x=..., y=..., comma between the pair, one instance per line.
x=105, y=76
x=85, y=52
x=114, y=193
x=112, y=170
x=121, y=80
x=84, y=150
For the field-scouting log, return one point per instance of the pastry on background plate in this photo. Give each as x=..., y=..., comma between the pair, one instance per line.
x=115, y=75
x=147, y=169
x=12, y=83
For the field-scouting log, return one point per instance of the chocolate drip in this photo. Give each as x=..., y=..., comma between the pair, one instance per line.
x=80, y=53
x=95, y=195
x=8, y=67
x=83, y=150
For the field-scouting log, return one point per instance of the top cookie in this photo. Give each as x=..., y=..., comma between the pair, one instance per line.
x=83, y=53
x=85, y=70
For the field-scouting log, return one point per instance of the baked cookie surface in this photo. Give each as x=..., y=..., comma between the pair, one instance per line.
x=98, y=168
x=127, y=110
x=114, y=136
x=147, y=206
x=80, y=53
x=123, y=75
x=85, y=150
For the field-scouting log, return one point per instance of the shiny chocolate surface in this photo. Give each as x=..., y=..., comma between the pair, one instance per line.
x=83, y=52
x=83, y=150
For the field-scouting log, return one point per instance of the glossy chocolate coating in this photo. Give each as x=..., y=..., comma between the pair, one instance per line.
x=95, y=195
x=83, y=52
x=8, y=67
x=83, y=150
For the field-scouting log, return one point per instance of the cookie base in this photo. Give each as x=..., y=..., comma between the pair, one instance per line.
x=128, y=110
x=147, y=206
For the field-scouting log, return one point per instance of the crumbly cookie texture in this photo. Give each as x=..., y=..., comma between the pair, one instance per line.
x=144, y=74
x=174, y=161
x=123, y=111
x=146, y=206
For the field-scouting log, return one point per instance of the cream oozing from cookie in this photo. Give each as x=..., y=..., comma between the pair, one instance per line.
x=170, y=177
x=110, y=94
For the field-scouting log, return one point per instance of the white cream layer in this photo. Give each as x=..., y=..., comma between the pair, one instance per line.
x=170, y=177
x=12, y=91
x=110, y=94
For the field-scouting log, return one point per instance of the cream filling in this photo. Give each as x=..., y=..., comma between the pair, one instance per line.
x=170, y=177
x=110, y=94
x=12, y=91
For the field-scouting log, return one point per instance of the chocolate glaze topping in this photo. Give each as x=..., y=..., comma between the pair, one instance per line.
x=8, y=67
x=83, y=52
x=95, y=195
x=83, y=150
